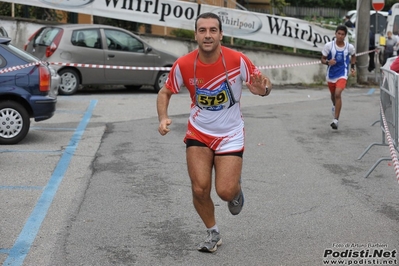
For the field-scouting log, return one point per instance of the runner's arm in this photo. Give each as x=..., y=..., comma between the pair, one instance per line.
x=163, y=100
x=353, y=59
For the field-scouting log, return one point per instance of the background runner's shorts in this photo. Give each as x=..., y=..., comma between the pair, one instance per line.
x=229, y=143
x=341, y=83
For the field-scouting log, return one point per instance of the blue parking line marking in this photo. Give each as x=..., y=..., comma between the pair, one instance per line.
x=28, y=234
x=371, y=91
x=21, y=188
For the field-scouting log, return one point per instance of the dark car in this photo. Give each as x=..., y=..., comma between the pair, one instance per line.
x=98, y=46
x=25, y=92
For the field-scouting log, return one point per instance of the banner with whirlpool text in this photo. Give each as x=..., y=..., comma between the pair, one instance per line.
x=241, y=24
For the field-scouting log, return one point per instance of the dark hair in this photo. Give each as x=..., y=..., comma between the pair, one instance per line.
x=343, y=28
x=209, y=15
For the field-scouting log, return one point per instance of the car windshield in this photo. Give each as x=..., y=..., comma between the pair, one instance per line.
x=46, y=36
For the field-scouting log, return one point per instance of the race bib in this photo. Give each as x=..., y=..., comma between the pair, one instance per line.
x=214, y=100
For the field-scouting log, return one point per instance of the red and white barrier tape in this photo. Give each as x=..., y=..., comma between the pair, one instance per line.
x=290, y=65
x=367, y=52
x=110, y=67
x=155, y=68
x=390, y=142
x=10, y=69
x=306, y=63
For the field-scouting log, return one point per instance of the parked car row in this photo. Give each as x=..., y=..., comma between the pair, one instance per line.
x=100, y=45
x=30, y=92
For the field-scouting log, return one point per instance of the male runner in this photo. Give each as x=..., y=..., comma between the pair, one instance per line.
x=337, y=55
x=214, y=76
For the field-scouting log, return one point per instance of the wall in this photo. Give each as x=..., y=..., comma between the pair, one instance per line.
x=286, y=68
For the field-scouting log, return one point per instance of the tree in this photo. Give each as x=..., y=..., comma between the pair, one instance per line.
x=128, y=25
x=278, y=4
x=32, y=12
x=345, y=4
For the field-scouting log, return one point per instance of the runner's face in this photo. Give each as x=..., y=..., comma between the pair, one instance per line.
x=340, y=35
x=208, y=35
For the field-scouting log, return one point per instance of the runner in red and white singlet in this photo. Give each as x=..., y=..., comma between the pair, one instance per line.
x=215, y=117
x=214, y=75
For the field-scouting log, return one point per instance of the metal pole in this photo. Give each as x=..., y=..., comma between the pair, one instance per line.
x=362, y=39
x=376, y=59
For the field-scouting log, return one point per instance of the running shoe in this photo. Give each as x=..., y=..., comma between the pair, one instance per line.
x=333, y=111
x=334, y=124
x=211, y=243
x=235, y=206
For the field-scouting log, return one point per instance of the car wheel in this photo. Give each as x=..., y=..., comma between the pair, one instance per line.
x=70, y=81
x=160, y=81
x=14, y=122
x=133, y=87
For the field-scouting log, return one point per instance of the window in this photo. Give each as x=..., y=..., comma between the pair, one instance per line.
x=46, y=36
x=87, y=38
x=118, y=40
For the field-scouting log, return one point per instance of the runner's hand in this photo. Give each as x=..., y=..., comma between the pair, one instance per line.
x=258, y=84
x=163, y=128
x=353, y=71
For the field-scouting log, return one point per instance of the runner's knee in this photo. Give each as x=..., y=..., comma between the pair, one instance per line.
x=227, y=193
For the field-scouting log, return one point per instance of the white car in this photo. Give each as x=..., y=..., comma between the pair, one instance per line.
x=353, y=15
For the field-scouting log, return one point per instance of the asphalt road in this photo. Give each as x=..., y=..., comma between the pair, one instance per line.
x=97, y=185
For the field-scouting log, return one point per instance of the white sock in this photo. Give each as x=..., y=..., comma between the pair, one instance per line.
x=215, y=227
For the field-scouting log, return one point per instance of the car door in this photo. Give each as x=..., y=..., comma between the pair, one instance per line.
x=124, y=49
x=86, y=48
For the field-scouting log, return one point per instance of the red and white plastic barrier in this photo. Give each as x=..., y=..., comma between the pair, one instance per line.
x=110, y=67
x=390, y=142
x=10, y=69
x=156, y=68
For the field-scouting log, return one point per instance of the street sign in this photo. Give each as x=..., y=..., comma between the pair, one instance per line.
x=378, y=5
